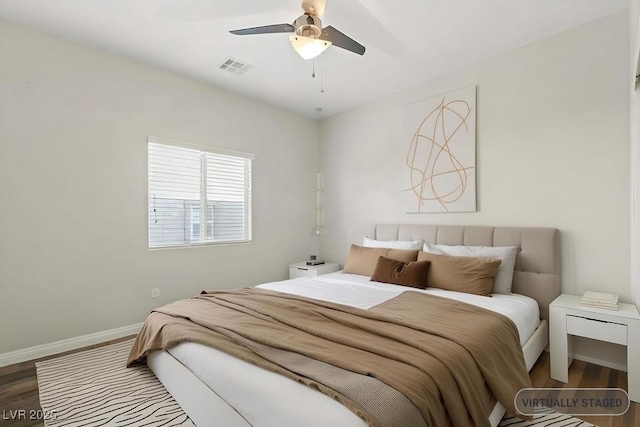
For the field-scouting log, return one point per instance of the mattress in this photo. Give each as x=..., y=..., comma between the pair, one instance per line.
x=249, y=390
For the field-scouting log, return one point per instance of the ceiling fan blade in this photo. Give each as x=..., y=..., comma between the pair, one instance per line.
x=267, y=29
x=339, y=39
x=374, y=15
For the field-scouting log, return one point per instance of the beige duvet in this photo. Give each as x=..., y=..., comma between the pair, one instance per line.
x=414, y=360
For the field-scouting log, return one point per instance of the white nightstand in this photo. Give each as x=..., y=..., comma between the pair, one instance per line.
x=568, y=317
x=301, y=269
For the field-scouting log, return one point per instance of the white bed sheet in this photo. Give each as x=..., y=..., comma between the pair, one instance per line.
x=267, y=399
x=358, y=291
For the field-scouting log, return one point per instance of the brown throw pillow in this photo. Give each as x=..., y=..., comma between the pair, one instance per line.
x=412, y=273
x=363, y=260
x=461, y=274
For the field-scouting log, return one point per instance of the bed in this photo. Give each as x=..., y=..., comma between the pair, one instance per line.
x=217, y=389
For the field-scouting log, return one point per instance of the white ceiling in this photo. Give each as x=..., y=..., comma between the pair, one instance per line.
x=407, y=42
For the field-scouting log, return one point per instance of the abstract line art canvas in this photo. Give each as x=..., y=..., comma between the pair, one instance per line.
x=440, y=136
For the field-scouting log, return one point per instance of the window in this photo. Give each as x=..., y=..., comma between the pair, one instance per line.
x=197, y=196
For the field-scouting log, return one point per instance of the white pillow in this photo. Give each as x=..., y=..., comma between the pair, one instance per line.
x=507, y=254
x=393, y=244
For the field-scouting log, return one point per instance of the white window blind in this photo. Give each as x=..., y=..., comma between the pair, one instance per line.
x=198, y=196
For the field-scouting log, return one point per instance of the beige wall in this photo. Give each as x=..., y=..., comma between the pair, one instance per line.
x=552, y=150
x=74, y=123
x=553, y=132
x=634, y=63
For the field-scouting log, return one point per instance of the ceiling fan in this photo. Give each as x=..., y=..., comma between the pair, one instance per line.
x=310, y=39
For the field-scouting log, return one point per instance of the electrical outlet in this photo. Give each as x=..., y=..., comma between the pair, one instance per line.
x=155, y=293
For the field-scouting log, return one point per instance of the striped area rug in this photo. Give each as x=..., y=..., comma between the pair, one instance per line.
x=545, y=417
x=94, y=388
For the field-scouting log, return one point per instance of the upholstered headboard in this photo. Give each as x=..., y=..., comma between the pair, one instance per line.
x=537, y=269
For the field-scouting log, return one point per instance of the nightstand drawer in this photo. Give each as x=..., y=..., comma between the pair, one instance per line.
x=302, y=272
x=597, y=329
x=301, y=269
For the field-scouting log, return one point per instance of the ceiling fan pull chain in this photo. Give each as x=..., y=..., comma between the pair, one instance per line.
x=321, y=73
x=313, y=68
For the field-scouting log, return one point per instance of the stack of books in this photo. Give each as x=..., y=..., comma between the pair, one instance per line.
x=600, y=300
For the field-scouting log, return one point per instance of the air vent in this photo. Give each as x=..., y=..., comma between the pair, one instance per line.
x=234, y=66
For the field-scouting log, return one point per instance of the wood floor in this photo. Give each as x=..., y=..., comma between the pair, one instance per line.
x=19, y=389
x=582, y=375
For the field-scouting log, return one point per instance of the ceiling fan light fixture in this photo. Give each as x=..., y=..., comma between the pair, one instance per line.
x=308, y=47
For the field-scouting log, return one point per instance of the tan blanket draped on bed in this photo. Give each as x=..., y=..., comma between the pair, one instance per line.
x=445, y=356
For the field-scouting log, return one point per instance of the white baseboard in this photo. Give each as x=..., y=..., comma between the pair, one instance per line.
x=43, y=350
x=56, y=347
x=596, y=361
x=601, y=362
